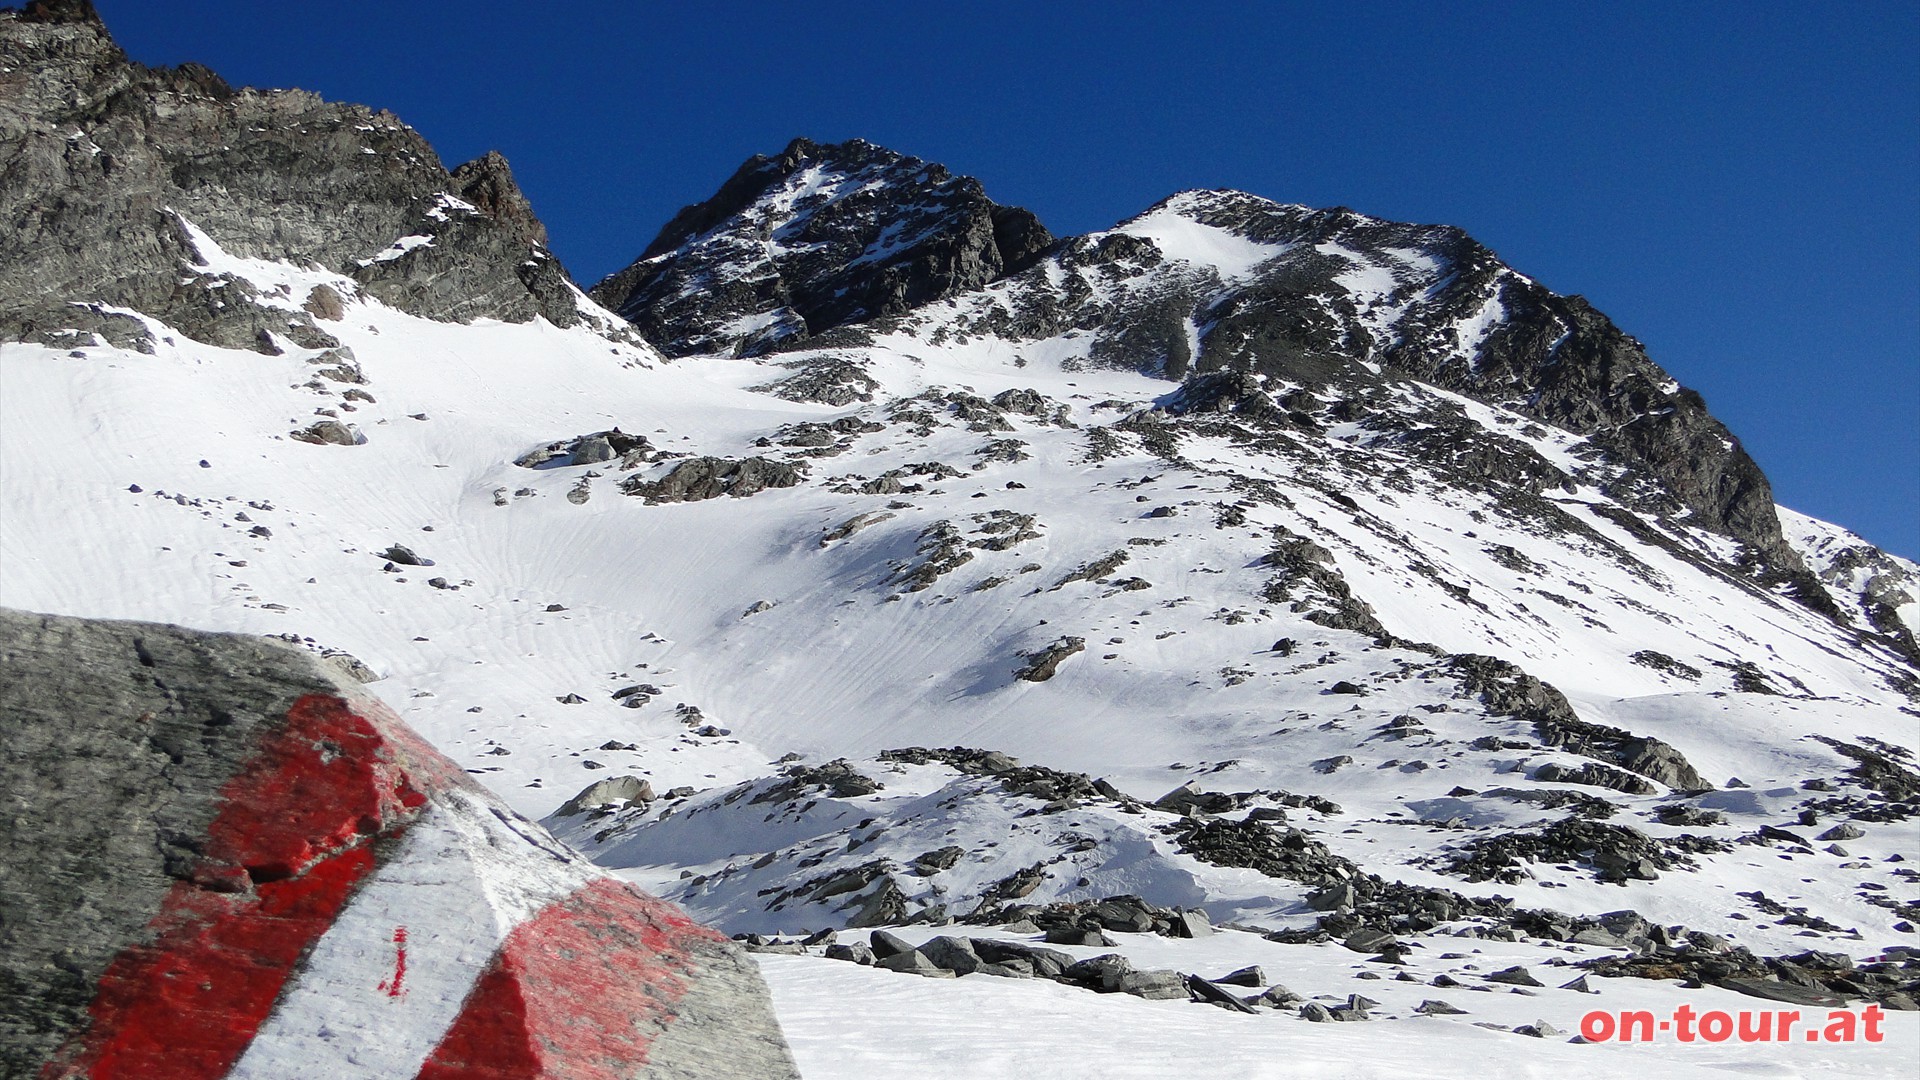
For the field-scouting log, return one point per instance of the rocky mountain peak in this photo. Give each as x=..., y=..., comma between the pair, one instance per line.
x=760, y=173
x=820, y=237
x=487, y=182
x=816, y=237
x=147, y=159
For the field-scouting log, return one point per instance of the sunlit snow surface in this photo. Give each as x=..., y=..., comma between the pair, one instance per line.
x=550, y=597
x=846, y=1022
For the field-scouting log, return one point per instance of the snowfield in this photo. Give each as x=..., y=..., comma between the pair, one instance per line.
x=845, y=1021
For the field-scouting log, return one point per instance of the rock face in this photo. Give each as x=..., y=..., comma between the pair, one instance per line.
x=816, y=237
x=220, y=859
x=154, y=166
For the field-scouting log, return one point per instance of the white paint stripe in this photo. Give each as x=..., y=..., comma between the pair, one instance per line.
x=460, y=882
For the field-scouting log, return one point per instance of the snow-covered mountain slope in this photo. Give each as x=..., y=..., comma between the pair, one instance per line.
x=847, y=657
x=1314, y=572
x=1178, y=547
x=1330, y=301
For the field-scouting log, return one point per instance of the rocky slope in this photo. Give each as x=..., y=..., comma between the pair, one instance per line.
x=111, y=166
x=1878, y=589
x=1328, y=301
x=1335, y=389
x=1319, y=299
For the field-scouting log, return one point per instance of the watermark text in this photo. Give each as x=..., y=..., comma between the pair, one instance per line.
x=1686, y=1025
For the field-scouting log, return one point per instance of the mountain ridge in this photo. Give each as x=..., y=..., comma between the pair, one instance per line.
x=279, y=174
x=1556, y=356
x=1326, y=301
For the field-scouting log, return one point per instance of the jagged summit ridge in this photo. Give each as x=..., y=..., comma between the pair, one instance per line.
x=56, y=11
x=816, y=237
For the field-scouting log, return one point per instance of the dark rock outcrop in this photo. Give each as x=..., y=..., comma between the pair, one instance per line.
x=1306, y=566
x=1042, y=664
x=1643, y=754
x=1617, y=853
x=817, y=237
x=1815, y=979
x=588, y=449
x=1593, y=774
x=1878, y=770
x=1507, y=690
x=710, y=477
x=836, y=777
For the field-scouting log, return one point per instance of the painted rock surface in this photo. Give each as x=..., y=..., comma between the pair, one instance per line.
x=221, y=860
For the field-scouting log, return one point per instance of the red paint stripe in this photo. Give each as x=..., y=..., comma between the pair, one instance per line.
x=578, y=992
x=291, y=841
x=490, y=1039
x=397, y=986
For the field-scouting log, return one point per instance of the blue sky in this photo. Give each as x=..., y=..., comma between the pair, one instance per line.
x=1735, y=184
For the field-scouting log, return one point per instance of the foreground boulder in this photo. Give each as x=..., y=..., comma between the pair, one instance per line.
x=221, y=860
